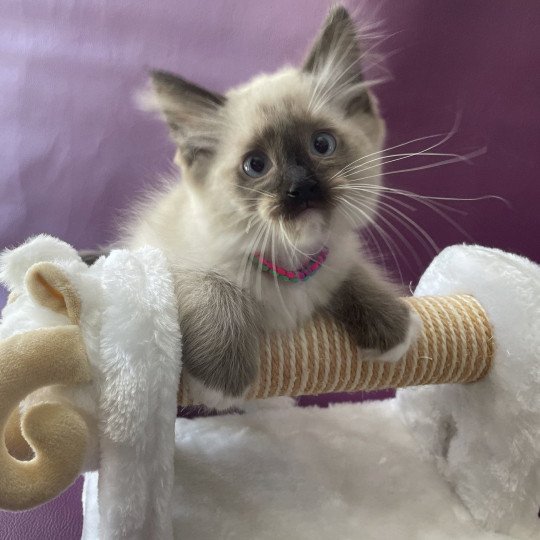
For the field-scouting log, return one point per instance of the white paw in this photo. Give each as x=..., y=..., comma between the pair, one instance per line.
x=210, y=398
x=398, y=352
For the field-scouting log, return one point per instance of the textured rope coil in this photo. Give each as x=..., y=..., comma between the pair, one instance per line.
x=456, y=345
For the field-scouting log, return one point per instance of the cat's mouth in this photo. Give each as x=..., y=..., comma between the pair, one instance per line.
x=304, y=210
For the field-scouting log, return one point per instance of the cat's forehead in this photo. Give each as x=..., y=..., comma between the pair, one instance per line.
x=285, y=85
x=273, y=104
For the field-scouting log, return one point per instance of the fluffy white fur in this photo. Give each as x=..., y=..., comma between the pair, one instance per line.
x=349, y=472
x=129, y=325
x=486, y=436
x=15, y=262
x=138, y=379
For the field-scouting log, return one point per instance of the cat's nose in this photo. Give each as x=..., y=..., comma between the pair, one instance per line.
x=303, y=189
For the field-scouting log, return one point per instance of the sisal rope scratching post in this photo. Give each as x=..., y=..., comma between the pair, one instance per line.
x=456, y=346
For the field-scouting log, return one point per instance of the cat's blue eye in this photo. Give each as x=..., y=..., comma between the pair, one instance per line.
x=256, y=165
x=323, y=144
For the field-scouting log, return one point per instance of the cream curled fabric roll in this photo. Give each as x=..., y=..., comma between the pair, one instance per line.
x=456, y=345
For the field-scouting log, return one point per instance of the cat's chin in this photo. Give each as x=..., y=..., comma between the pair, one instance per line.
x=310, y=230
x=306, y=220
x=309, y=213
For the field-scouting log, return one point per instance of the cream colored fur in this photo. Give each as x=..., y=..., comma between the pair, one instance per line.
x=199, y=226
x=206, y=225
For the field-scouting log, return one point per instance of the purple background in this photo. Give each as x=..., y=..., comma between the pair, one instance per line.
x=74, y=150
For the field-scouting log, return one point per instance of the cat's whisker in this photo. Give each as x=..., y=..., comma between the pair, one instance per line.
x=276, y=282
x=242, y=267
x=287, y=243
x=250, y=263
x=367, y=230
x=428, y=202
x=388, y=240
x=348, y=217
x=414, y=228
x=421, y=167
x=390, y=193
x=393, y=197
x=382, y=192
x=378, y=195
x=246, y=259
x=438, y=198
x=445, y=138
x=250, y=199
x=227, y=224
x=454, y=159
x=291, y=243
x=232, y=225
x=390, y=225
x=257, y=191
x=382, y=152
x=408, y=219
x=296, y=249
x=385, y=160
x=380, y=159
x=254, y=217
x=262, y=251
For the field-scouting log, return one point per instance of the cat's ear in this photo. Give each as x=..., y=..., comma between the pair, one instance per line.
x=192, y=113
x=334, y=61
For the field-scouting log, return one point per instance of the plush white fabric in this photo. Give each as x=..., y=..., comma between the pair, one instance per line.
x=442, y=462
x=24, y=314
x=42, y=248
x=350, y=472
x=360, y=471
x=138, y=380
x=486, y=436
x=130, y=329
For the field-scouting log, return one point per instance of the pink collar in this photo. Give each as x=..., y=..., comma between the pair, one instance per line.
x=310, y=267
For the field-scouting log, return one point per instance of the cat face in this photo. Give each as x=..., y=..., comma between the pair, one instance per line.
x=283, y=149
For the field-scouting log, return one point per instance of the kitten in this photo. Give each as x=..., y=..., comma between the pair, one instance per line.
x=268, y=179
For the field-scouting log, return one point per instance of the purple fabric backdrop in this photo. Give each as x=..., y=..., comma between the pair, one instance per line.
x=74, y=150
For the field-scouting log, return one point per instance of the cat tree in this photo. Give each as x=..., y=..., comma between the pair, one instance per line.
x=91, y=376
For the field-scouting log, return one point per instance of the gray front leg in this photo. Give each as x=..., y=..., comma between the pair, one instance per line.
x=220, y=325
x=379, y=321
